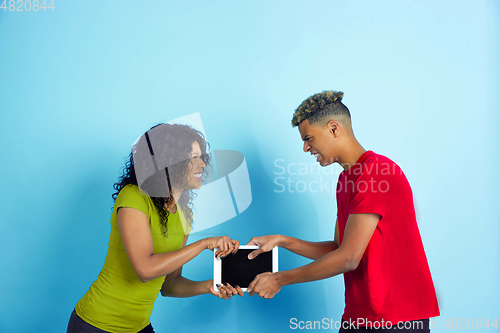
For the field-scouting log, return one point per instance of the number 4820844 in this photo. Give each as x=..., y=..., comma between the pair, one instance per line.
x=26, y=5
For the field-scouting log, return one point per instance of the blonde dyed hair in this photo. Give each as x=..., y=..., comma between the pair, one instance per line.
x=320, y=106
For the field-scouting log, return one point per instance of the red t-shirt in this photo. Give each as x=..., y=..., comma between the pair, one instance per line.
x=392, y=281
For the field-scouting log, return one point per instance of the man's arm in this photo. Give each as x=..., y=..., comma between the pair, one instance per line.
x=358, y=232
x=311, y=250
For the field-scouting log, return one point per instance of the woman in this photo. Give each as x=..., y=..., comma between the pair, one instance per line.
x=150, y=224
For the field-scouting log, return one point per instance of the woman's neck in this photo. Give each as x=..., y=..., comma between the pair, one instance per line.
x=172, y=206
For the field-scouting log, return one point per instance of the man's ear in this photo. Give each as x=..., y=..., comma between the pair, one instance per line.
x=333, y=127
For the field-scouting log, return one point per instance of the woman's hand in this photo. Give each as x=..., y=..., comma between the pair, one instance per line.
x=225, y=291
x=265, y=244
x=225, y=244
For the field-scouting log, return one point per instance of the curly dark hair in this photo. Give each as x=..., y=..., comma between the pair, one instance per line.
x=163, y=155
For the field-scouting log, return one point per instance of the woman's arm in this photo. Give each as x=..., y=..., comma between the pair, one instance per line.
x=138, y=242
x=176, y=285
x=179, y=286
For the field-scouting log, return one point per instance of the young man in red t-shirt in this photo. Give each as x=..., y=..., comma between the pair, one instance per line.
x=377, y=243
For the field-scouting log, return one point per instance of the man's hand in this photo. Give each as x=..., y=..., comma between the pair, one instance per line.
x=266, y=285
x=265, y=244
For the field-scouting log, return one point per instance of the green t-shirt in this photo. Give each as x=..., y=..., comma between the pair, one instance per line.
x=118, y=301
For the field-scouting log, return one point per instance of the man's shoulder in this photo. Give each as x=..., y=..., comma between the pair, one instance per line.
x=377, y=164
x=379, y=159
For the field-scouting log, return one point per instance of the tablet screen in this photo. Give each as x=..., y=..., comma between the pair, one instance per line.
x=238, y=270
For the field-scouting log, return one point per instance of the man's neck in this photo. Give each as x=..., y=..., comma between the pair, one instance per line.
x=352, y=154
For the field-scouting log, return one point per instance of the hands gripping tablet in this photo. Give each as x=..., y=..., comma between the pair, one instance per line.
x=241, y=270
x=238, y=270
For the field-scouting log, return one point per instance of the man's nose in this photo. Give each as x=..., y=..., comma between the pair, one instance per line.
x=306, y=147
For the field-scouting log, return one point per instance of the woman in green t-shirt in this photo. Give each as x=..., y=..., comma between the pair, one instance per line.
x=150, y=225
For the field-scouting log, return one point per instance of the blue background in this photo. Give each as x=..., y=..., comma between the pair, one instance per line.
x=79, y=84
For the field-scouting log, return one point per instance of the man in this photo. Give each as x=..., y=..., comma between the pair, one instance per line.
x=377, y=244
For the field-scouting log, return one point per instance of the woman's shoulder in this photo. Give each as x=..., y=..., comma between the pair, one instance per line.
x=132, y=192
x=131, y=196
x=132, y=189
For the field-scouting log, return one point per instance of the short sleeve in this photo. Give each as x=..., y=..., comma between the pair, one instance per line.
x=370, y=194
x=131, y=196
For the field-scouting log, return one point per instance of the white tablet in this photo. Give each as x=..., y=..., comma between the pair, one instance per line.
x=237, y=270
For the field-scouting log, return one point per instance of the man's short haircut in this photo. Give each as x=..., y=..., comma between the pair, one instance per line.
x=319, y=106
